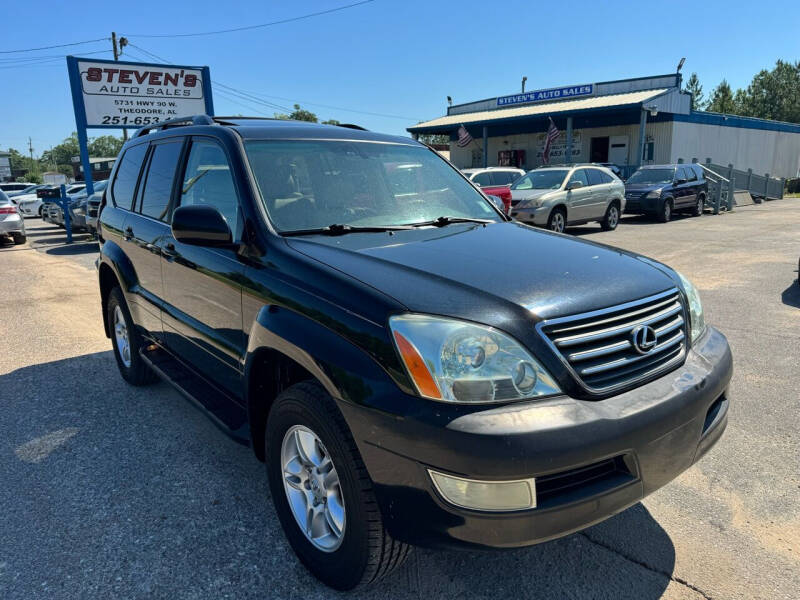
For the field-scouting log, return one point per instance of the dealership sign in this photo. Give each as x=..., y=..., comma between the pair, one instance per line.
x=564, y=93
x=118, y=94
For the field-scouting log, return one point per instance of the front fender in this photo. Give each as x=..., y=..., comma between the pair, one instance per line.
x=113, y=256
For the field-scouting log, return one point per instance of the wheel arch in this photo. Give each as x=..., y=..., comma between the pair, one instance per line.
x=114, y=269
x=286, y=347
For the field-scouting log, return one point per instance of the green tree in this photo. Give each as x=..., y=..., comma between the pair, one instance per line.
x=62, y=153
x=434, y=138
x=105, y=146
x=298, y=114
x=722, y=99
x=17, y=160
x=775, y=94
x=331, y=122
x=696, y=90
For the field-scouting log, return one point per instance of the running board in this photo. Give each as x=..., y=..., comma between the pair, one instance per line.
x=225, y=412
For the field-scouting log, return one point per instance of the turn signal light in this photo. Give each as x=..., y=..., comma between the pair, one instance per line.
x=416, y=368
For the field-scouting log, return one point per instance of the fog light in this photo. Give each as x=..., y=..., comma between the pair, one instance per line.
x=486, y=495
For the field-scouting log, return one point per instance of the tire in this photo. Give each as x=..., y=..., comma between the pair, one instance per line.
x=131, y=366
x=699, y=204
x=611, y=220
x=665, y=212
x=40, y=212
x=557, y=221
x=19, y=239
x=365, y=552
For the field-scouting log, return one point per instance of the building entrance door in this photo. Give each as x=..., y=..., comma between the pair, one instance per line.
x=618, y=152
x=598, y=151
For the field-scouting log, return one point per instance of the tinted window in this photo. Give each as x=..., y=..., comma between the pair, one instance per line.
x=208, y=181
x=546, y=179
x=504, y=177
x=482, y=179
x=580, y=175
x=690, y=174
x=605, y=177
x=160, y=175
x=127, y=174
x=3, y=198
x=594, y=176
x=652, y=176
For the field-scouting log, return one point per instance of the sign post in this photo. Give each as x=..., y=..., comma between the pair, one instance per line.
x=108, y=94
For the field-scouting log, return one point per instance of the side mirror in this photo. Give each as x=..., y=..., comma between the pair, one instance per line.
x=200, y=225
x=574, y=185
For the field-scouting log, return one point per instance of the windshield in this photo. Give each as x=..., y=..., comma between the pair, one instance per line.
x=551, y=179
x=316, y=183
x=652, y=176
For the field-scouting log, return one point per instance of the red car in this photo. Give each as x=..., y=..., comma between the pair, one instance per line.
x=495, y=181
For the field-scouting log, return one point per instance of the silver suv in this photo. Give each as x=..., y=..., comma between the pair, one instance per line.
x=559, y=196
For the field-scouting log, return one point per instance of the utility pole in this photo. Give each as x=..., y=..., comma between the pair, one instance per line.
x=524, y=79
x=123, y=41
x=30, y=150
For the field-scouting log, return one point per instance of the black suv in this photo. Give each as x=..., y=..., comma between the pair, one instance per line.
x=660, y=190
x=412, y=367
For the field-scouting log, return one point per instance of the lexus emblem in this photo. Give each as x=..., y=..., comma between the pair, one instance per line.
x=644, y=339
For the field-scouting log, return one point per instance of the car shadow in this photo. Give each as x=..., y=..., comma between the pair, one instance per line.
x=74, y=248
x=133, y=491
x=791, y=295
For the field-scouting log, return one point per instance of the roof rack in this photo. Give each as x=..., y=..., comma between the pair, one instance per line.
x=351, y=126
x=180, y=121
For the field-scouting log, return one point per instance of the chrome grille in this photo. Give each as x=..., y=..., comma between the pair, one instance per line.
x=598, y=348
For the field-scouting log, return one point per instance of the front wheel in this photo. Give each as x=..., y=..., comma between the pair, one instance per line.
x=19, y=238
x=557, y=221
x=611, y=220
x=665, y=213
x=323, y=494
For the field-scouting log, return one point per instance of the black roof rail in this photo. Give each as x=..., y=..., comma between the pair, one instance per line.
x=178, y=122
x=352, y=126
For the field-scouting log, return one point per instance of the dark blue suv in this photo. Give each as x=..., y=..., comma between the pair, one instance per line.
x=660, y=190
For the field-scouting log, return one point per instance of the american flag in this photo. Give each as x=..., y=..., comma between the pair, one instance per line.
x=552, y=136
x=464, y=138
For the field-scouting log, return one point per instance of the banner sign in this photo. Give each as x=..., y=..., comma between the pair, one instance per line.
x=564, y=93
x=118, y=94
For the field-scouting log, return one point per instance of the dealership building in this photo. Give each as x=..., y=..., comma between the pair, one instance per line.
x=646, y=120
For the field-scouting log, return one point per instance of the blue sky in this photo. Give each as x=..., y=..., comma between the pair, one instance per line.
x=395, y=58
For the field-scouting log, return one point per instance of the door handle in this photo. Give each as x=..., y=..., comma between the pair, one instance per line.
x=128, y=234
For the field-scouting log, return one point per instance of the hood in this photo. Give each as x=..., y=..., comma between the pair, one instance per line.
x=478, y=272
x=529, y=194
x=644, y=187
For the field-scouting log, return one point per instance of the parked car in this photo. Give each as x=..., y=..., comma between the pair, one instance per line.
x=557, y=197
x=15, y=186
x=31, y=189
x=79, y=207
x=495, y=181
x=29, y=203
x=413, y=367
x=660, y=190
x=93, y=209
x=11, y=223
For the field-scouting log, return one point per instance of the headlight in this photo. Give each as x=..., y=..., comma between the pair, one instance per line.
x=698, y=322
x=456, y=361
x=654, y=194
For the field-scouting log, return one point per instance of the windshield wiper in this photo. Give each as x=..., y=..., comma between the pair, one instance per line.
x=445, y=220
x=341, y=229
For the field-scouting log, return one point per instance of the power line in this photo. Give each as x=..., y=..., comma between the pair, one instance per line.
x=39, y=60
x=248, y=27
x=55, y=46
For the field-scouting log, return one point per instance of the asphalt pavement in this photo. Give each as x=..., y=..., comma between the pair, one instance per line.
x=110, y=491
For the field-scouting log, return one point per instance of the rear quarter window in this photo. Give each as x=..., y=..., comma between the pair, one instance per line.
x=124, y=188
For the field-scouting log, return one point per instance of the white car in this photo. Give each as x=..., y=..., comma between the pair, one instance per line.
x=30, y=205
x=15, y=187
x=493, y=176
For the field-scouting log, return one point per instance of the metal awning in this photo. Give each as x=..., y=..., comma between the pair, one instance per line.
x=489, y=117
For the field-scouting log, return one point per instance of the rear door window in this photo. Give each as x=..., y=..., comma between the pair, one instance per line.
x=605, y=177
x=130, y=166
x=593, y=175
x=690, y=174
x=160, y=178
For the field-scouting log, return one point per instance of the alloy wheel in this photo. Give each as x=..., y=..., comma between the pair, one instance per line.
x=312, y=488
x=557, y=223
x=613, y=217
x=121, y=337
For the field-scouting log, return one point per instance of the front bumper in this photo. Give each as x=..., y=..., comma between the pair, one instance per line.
x=640, y=203
x=532, y=216
x=649, y=435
